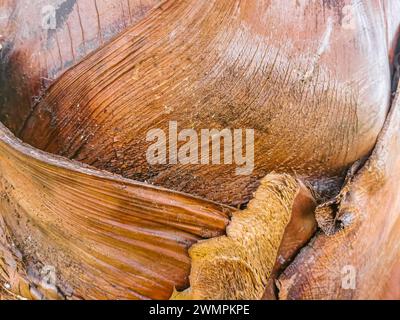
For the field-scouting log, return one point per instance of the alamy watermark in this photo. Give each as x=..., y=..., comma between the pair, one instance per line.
x=187, y=146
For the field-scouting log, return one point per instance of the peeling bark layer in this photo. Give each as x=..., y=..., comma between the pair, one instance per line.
x=316, y=89
x=259, y=240
x=105, y=236
x=363, y=240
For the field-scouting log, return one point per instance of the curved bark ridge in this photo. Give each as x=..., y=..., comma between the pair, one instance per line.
x=100, y=235
x=258, y=242
x=70, y=231
x=358, y=256
x=42, y=39
x=316, y=106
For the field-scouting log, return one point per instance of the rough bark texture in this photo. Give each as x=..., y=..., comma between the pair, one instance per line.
x=363, y=233
x=311, y=77
x=106, y=237
x=315, y=88
x=278, y=221
x=32, y=57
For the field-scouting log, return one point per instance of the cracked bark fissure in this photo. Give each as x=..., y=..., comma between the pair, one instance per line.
x=314, y=87
x=368, y=237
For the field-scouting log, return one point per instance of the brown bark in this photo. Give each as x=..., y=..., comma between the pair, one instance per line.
x=364, y=233
x=106, y=236
x=32, y=57
x=217, y=64
x=316, y=89
x=260, y=240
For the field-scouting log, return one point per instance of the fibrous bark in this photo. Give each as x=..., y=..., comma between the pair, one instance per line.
x=316, y=89
x=106, y=237
x=278, y=221
x=32, y=56
x=363, y=234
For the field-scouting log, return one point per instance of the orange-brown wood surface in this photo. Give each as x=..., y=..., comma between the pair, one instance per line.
x=80, y=202
x=315, y=88
x=33, y=56
x=107, y=237
x=365, y=235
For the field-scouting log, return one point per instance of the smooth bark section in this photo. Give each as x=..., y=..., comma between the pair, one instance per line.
x=259, y=239
x=359, y=259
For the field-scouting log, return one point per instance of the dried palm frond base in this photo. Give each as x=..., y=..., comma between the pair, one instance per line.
x=360, y=232
x=69, y=231
x=76, y=223
x=96, y=253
